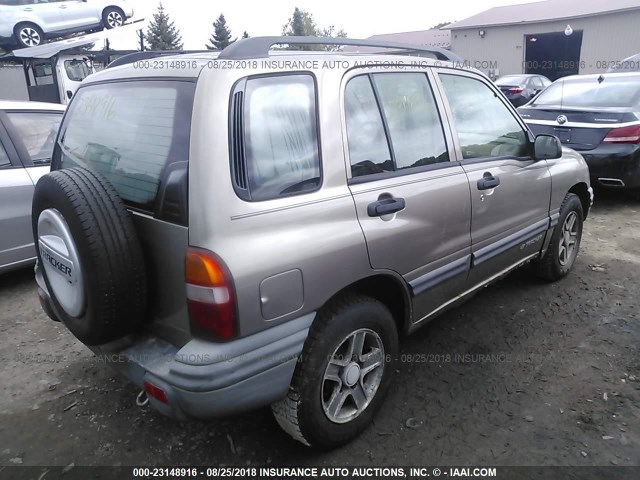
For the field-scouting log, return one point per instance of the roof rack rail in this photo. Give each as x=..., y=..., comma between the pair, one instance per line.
x=149, y=54
x=258, y=47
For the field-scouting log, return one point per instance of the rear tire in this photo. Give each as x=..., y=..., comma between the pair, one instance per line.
x=565, y=241
x=28, y=35
x=337, y=387
x=93, y=265
x=113, y=17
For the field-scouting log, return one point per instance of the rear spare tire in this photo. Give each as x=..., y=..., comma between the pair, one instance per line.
x=90, y=255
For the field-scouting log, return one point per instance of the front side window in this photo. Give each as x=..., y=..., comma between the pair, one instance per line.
x=77, y=70
x=281, y=136
x=486, y=127
x=38, y=132
x=129, y=132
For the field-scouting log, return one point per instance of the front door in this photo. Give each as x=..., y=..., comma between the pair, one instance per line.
x=510, y=191
x=412, y=201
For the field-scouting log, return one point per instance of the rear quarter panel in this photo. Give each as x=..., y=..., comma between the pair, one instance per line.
x=316, y=233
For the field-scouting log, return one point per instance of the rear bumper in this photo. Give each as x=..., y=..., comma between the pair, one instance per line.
x=614, y=165
x=205, y=379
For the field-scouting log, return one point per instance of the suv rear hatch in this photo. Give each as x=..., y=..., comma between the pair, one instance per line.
x=136, y=134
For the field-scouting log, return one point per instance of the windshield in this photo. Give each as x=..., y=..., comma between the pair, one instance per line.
x=77, y=70
x=511, y=80
x=38, y=132
x=611, y=91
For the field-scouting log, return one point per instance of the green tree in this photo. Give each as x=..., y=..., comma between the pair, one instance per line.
x=302, y=24
x=162, y=33
x=440, y=25
x=221, y=37
x=331, y=32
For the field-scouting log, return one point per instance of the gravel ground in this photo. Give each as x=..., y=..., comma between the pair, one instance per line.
x=526, y=373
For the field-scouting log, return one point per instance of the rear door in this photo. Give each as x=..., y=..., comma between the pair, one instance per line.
x=412, y=200
x=510, y=191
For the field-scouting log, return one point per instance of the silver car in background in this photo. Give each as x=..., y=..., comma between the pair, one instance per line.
x=27, y=23
x=27, y=135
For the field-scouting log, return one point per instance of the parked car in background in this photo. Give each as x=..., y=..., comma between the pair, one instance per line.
x=27, y=135
x=242, y=237
x=599, y=116
x=27, y=23
x=519, y=89
x=629, y=64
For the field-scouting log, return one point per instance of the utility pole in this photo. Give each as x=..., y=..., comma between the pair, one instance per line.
x=141, y=35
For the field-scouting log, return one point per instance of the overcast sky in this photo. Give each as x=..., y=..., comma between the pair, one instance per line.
x=359, y=18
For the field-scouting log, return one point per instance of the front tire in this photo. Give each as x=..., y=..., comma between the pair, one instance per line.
x=113, y=17
x=565, y=241
x=28, y=35
x=343, y=374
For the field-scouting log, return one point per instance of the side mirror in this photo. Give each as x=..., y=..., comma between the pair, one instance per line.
x=547, y=147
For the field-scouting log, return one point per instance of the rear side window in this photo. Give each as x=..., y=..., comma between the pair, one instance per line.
x=368, y=148
x=392, y=124
x=38, y=132
x=130, y=132
x=275, y=145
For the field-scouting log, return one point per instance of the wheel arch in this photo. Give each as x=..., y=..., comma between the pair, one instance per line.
x=389, y=289
x=582, y=191
x=115, y=7
x=28, y=22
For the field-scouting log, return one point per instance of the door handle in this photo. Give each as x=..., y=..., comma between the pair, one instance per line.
x=385, y=207
x=488, y=181
x=63, y=6
x=28, y=9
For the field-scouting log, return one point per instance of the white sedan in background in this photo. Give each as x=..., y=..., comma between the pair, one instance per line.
x=28, y=132
x=27, y=23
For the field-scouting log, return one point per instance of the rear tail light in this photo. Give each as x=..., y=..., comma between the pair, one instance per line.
x=516, y=90
x=623, y=135
x=210, y=296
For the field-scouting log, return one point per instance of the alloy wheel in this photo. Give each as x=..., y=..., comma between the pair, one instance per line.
x=353, y=376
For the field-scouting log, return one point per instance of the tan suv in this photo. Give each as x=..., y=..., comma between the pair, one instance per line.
x=255, y=228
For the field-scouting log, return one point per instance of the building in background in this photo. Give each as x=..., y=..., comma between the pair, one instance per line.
x=427, y=38
x=553, y=38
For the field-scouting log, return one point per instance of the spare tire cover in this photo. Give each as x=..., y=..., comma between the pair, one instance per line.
x=90, y=255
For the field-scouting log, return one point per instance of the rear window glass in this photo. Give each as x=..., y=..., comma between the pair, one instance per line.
x=38, y=132
x=129, y=132
x=511, y=80
x=612, y=91
x=281, y=138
